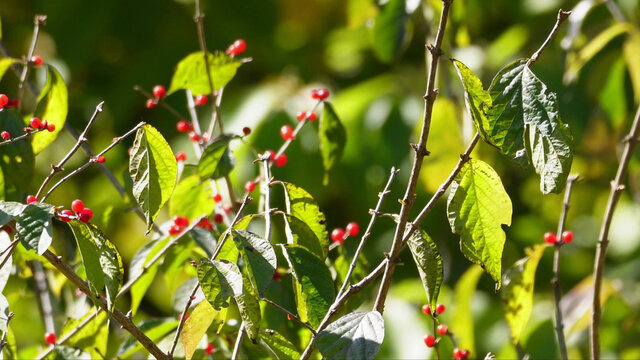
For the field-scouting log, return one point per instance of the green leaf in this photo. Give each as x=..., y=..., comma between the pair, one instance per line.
x=389, y=30
x=477, y=208
x=191, y=72
x=5, y=271
x=204, y=238
x=192, y=198
x=314, y=285
x=5, y=64
x=279, y=345
x=52, y=107
x=302, y=205
x=522, y=104
x=34, y=227
x=357, y=335
x=139, y=261
x=463, y=317
x=631, y=51
x=101, y=260
x=92, y=337
x=298, y=232
x=333, y=138
x=249, y=308
x=154, y=171
x=195, y=327
x=216, y=160
x=4, y=313
x=67, y=353
x=220, y=280
x=429, y=262
x=155, y=329
x=477, y=100
x=16, y=158
x=9, y=210
x=259, y=257
x=517, y=294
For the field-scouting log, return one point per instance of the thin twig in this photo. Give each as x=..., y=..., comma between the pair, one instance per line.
x=556, y=266
x=299, y=127
x=236, y=346
x=3, y=341
x=420, y=151
x=289, y=314
x=81, y=139
x=562, y=16
x=38, y=21
x=68, y=335
x=13, y=244
x=23, y=136
x=617, y=186
x=162, y=103
x=115, y=142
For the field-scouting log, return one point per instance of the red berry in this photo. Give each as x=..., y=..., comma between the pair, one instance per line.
x=246, y=130
x=31, y=199
x=460, y=353
x=337, y=235
x=217, y=197
x=440, y=308
x=50, y=338
x=5, y=135
x=51, y=127
x=4, y=99
x=301, y=115
x=442, y=329
x=311, y=116
x=319, y=94
x=277, y=276
x=35, y=123
x=237, y=48
x=205, y=224
x=181, y=156
x=8, y=229
x=194, y=137
x=201, y=100
x=353, y=228
x=101, y=159
x=550, y=238
x=86, y=215
x=181, y=221
x=209, y=349
x=286, y=132
x=77, y=206
x=226, y=209
x=36, y=60
x=66, y=215
x=272, y=154
x=218, y=218
x=14, y=103
x=174, y=230
x=426, y=309
x=183, y=126
x=281, y=160
x=429, y=340
x=289, y=317
x=150, y=104
x=567, y=236
x=159, y=91
x=249, y=186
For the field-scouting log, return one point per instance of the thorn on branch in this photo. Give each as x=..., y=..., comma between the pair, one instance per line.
x=420, y=150
x=465, y=157
x=435, y=52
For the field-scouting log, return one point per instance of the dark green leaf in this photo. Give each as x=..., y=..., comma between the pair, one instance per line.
x=34, y=227
x=333, y=138
x=154, y=171
x=9, y=210
x=389, y=30
x=5, y=63
x=216, y=160
x=314, y=285
x=259, y=258
x=101, y=260
x=249, y=308
x=204, y=238
x=192, y=198
x=357, y=335
x=66, y=353
x=477, y=208
x=298, y=232
x=52, y=107
x=477, y=100
x=429, y=262
x=517, y=294
x=279, y=345
x=16, y=158
x=92, y=337
x=303, y=206
x=191, y=72
x=220, y=280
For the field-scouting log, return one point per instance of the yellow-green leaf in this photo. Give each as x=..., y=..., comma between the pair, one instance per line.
x=249, y=308
x=191, y=72
x=517, y=293
x=279, y=345
x=140, y=260
x=192, y=198
x=52, y=107
x=220, y=280
x=92, y=337
x=463, y=317
x=195, y=327
x=300, y=204
x=216, y=160
x=477, y=100
x=259, y=258
x=429, y=262
x=333, y=138
x=631, y=50
x=5, y=64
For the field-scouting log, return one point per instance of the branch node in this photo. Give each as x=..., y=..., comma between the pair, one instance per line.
x=420, y=151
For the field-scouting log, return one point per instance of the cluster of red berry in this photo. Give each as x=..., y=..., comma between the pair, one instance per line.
x=179, y=223
x=339, y=235
x=552, y=239
x=209, y=350
x=6, y=102
x=79, y=212
x=158, y=92
x=35, y=124
x=442, y=330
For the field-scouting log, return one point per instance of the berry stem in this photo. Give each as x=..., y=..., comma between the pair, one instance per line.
x=161, y=102
x=435, y=347
x=290, y=314
x=556, y=267
x=301, y=124
x=39, y=20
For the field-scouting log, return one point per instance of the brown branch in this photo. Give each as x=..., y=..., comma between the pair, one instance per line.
x=617, y=186
x=562, y=16
x=23, y=136
x=289, y=314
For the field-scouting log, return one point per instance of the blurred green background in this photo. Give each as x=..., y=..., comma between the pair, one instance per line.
x=372, y=58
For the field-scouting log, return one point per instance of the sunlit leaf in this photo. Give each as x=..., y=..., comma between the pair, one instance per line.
x=4, y=313
x=145, y=277
x=216, y=160
x=249, y=308
x=5, y=64
x=92, y=337
x=259, y=258
x=389, y=30
x=477, y=208
x=220, y=280
x=16, y=158
x=517, y=293
x=191, y=72
x=429, y=262
x=357, y=335
x=303, y=206
x=155, y=329
x=5, y=271
x=477, y=100
x=52, y=107
x=279, y=345
x=9, y=210
x=463, y=316
x=192, y=198
x=195, y=327
x=631, y=50
x=314, y=285
x=34, y=227
x=62, y=352
x=154, y=171
x=333, y=138
x=613, y=97
x=298, y=232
